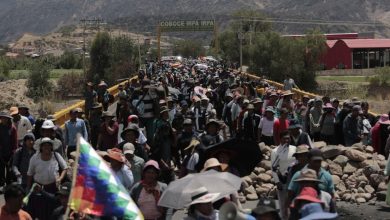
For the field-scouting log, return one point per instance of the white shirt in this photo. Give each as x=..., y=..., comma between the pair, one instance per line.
x=23, y=126
x=45, y=172
x=282, y=157
x=125, y=176
x=193, y=161
x=267, y=126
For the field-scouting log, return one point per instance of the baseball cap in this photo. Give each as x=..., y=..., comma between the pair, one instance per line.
x=128, y=148
x=48, y=124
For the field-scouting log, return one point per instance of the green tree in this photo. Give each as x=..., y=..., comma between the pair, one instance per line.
x=68, y=60
x=189, y=48
x=122, y=50
x=276, y=56
x=38, y=83
x=100, y=57
x=5, y=68
x=229, y=46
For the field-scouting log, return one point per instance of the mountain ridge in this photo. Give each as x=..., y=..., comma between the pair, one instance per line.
x=44, y=16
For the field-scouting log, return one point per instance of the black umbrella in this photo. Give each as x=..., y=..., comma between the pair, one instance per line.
x=245, y=154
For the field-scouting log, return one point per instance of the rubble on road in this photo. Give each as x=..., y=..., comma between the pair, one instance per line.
x=357, y=174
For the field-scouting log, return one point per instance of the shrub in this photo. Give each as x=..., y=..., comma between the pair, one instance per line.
x=38, y=83
x=74, y=86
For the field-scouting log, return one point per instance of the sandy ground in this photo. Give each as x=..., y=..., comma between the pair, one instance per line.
x=12, y=92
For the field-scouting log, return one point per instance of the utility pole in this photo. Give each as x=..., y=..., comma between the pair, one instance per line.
x=95, y=21
x=240, y=37
x=139, y=52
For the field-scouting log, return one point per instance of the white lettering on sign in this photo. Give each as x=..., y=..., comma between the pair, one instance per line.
x=187, y=25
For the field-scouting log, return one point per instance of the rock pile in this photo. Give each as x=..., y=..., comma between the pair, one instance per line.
x=357, y=174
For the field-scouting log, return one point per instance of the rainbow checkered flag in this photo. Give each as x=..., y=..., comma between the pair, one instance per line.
x=96, y=190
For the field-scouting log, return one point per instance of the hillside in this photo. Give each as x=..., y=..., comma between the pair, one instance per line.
x=43, y=16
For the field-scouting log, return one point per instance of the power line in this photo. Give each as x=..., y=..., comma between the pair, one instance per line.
x=311, y=22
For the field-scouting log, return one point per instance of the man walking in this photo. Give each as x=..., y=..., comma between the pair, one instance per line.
x=72, y=127
x=281, y=158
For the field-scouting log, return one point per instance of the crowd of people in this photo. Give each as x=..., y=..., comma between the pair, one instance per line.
x=164, y=123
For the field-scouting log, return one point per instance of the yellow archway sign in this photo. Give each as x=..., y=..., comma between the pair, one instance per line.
x=185, y=25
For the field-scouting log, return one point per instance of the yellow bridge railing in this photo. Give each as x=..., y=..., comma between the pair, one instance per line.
x=63, y=115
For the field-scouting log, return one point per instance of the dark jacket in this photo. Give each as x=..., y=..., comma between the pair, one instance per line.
x=303, y=138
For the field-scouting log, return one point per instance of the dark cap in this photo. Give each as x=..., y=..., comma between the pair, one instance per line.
x=357, y=108
x=294, y=124
x=23, y=107
x=146, y=82
x=183, y=103
x=315, y=154
x=29, y=136
x=264, y=206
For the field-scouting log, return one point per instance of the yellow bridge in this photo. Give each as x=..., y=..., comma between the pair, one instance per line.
x=63, y=115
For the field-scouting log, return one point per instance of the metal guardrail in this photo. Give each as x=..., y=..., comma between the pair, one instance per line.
x=63, y=115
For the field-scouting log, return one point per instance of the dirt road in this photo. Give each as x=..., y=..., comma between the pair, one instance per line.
x=348, y=211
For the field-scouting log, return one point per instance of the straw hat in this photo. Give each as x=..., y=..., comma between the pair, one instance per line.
x=102, y=83
x=250, y=107
x=270, y=109
x=287, y=93
x=14, y=111
x=201, y=195
x=212, y=162
x=308, y=175
x=44, y=141
x=301, y=149
x=257, y=100
x=116, y=154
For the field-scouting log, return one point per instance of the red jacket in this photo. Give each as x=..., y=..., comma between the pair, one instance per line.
x=279, y=126
x=376, y=137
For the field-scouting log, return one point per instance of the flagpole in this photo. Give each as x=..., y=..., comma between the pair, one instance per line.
x=75, y=168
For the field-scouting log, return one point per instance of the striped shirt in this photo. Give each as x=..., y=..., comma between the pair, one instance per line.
x=148, y=107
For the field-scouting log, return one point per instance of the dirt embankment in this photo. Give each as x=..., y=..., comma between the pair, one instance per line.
x=12, y=92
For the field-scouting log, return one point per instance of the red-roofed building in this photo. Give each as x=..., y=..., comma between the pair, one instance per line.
x=356, y=53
